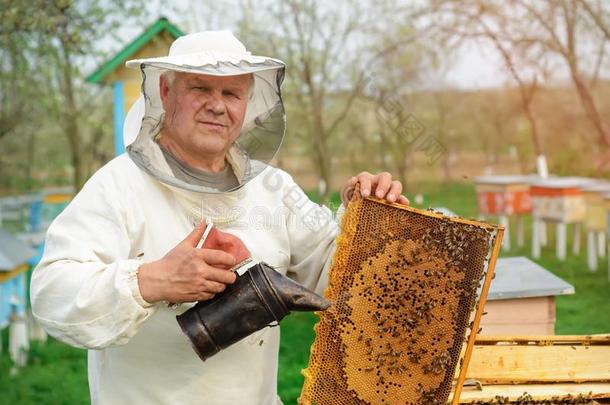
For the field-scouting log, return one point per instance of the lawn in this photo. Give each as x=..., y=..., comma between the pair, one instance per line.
x=57, y=373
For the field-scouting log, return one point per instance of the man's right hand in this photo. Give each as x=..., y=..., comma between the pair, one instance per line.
x=185, y=273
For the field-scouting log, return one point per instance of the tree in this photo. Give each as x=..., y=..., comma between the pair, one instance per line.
x=564, y=28
x=531, y=34
x=330, y=49
x=391, y=89
x=493, y=22
x=55, y=38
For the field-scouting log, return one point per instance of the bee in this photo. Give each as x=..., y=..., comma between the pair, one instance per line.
x=415, y=358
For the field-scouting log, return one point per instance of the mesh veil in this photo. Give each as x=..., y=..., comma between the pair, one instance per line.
x=264, y=123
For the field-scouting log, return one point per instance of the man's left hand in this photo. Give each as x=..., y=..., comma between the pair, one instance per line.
x=379, y=185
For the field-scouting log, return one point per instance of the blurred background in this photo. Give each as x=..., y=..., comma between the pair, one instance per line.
x=473, y=104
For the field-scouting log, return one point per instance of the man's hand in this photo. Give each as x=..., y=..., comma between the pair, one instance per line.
x=379, y=185
x=185, y=273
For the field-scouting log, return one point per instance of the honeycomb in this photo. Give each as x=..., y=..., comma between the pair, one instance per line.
x=404, y=285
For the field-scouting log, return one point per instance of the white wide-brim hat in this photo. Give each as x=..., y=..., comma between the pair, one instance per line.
x=216, y=53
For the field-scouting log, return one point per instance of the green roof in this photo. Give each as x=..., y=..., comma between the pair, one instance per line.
x=162, y=24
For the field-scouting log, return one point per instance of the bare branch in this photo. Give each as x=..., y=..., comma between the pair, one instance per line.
x=596, y=16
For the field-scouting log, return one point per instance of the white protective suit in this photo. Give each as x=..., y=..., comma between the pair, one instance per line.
x=85, y=291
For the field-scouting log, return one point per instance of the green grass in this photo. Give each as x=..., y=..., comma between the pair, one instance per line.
x=57, y=373
x=297, y=336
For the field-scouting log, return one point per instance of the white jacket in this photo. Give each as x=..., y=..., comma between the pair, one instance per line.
x=85, y=292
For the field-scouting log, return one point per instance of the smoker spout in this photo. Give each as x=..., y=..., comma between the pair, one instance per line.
x=293, y=295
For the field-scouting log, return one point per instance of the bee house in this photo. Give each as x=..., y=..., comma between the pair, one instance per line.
x=560, y=201
x=607, y=206
x=14, y=256
x=521, y=299
x=545, y=370
x=154, y=41
x=606, y=198
x=596, y=221
x=503, y=195
x=404, y=288
x=596, y=214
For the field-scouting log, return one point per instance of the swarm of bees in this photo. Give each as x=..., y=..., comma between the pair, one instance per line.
x=404, y=284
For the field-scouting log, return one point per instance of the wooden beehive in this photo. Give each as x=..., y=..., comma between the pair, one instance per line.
x=606, y=198
x=559, y=200
x=503, y=195
x=596, y=215
x=548, y=370
x=404, y=288
x=522, y=298
x=14, y=256
x=126, y=83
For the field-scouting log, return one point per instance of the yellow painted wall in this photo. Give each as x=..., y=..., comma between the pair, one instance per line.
x=132, y=78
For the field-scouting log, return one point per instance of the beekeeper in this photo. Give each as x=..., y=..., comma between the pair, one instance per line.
x=209, y=119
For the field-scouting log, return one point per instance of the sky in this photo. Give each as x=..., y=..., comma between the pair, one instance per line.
x=475, y=66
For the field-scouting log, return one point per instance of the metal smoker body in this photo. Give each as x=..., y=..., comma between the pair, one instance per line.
x=259, y=297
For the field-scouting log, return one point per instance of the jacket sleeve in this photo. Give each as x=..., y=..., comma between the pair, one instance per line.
x=84, y=291
x=312, y=230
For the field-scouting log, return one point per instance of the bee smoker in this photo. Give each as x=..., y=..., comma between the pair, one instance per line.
x=258, y=297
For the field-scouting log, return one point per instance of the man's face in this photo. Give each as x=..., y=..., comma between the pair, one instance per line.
x=204, y=114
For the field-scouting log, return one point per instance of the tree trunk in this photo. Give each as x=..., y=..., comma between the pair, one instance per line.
x=591, y=109
x=322, y=157
x=30, y=159
x=541, y=163
x=529, y=114
x=70, y=118
x=571, y=57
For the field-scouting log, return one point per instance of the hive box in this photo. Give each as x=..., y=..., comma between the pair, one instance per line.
x=521, y=299
x=559, y=199
x=503, y=195
x=596, y=216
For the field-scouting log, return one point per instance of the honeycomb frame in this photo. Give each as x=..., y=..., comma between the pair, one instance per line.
x=406, y=286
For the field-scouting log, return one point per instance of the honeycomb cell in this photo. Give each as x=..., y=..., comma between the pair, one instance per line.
x=404, y=284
